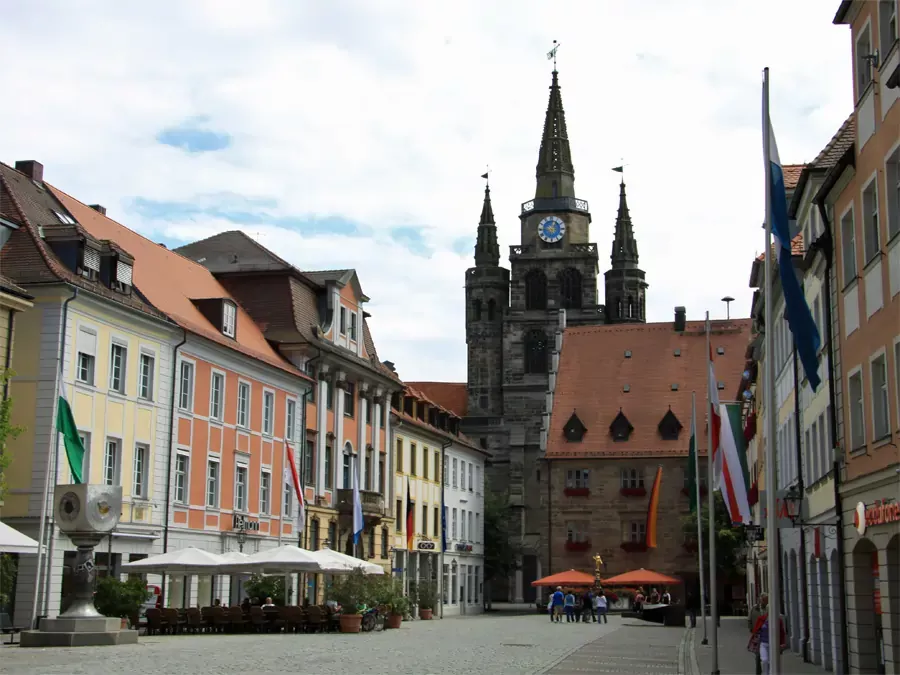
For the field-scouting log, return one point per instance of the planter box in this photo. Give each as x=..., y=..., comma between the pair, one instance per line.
x=426, y=614
x=577, y=492
x=634, y=546
x=578, y=545
x=351, y=623
x=633, y=492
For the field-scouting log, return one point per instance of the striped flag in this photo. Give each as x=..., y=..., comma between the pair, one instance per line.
x=653, y=509
x=692, y=467
x=291, y=474
x=735, y=476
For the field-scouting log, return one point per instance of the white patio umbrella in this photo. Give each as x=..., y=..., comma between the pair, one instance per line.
x=188, y=560
x=281, y=560
x=233, y=557
x=338, y=562
x=13, y=541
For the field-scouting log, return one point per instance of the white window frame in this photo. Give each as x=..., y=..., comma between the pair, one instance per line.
x=268, y=420
x=85, y=438
x=471, y=477
x=892, y=185
x=290, y=419
x=287, y=500
x=213, y=483
x=123, y=366
x=229, y=319
x=140, y=477
x=880, y=397
x=637, y=532
x=577, y=531
x=216, y=403
x=354, y=328
x=453, y=523
x=146, y=380
x=631, y=478
x=114, y=465
x=240, y=506
x=265, y=492
x=849, y=266
x=186, y=394
x=886, y=41
x=859, y=406
x=243, y=404
x=181, y=494
x=455, y=469
x=86, y=354
x=342, y=321
x=864, y=67
x=871, y=220
x=578, y=478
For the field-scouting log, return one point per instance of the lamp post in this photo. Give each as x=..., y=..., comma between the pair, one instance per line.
x=241, y=535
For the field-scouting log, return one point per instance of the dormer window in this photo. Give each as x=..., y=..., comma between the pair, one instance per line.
x=574, y=429
x=123, y=276
x=620, y=428
x=90, y=266
x=64, y=218
x=669, y=426
x=229, y=318
x=353, y=326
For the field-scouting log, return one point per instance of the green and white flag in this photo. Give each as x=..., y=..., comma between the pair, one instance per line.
x=65, y=425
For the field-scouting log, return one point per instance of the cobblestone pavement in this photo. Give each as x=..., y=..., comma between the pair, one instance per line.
x=484, y=645
x=633, y=648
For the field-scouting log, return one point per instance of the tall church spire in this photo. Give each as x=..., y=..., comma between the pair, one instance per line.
x=555, y=173
x=487, y=251
x=624, y=249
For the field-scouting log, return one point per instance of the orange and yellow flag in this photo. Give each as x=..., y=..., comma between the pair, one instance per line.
x=652, y=510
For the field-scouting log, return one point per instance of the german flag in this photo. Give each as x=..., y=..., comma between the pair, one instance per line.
x=410, y=519
x=652, y=510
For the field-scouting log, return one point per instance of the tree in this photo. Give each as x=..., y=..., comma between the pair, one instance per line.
x=262, y=587
x=8, y=431
x=729, y=538
x=501, y=547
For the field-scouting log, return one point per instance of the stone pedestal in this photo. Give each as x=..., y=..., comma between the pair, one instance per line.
x=79, y=632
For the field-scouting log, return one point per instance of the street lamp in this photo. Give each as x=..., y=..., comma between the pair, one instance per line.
x=241, y=535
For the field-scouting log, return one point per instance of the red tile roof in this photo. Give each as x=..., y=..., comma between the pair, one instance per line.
x=792, y=175
x=593, y=371
x=450, y=395
x=796, y=247
x=410, y=390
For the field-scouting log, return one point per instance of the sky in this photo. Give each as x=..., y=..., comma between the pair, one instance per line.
x=349, y=133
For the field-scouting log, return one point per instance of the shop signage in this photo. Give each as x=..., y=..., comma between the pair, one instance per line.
x=464, y=547
x=788, y=513
x=880, y=513
x=240, y=522
x=425, y=546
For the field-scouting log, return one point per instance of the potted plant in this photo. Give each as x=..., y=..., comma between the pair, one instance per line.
x=120, y=598
x=426, y=599
x=351, y=593
x=398, y=607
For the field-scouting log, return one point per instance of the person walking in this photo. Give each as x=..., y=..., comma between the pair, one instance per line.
x=757, y=611
x=587, y=607
x=556, y=605
x=760, y=640
x=570, y=607
x=602, y=603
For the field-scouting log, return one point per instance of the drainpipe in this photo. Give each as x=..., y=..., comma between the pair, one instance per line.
x=55, y=459
x=549, y=520
x=804, y=647
x=8, y=357
x=444, y=447
x=827, y=246
x=174, y=381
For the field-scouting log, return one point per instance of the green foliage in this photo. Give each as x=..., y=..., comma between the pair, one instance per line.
x=9, y=568
x=501, y=549
x=262, y=587
x=353, y=591
x=729, y=538
x=8, y=431
x=426, y=594
x=120, y=598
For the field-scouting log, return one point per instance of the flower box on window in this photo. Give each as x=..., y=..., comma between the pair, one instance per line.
x=633, y=492
x=634, y=546
x=578, y=545
x=577, y=492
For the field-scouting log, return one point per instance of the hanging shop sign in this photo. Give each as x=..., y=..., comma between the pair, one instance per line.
x=881, y=512
x=425, y=546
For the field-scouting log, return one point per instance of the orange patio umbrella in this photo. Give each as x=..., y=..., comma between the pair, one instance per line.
x=570, y=578
x=641, y=577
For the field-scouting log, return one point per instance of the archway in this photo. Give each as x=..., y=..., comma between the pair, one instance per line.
x=892, y=618
x=863, y=623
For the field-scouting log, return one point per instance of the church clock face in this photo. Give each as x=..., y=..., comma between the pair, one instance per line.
x=551, y=229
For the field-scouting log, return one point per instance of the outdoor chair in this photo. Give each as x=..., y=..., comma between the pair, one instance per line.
x=258, y=619
x=154, y=621
x=194, y=623
x=171, y=621
x=294, y=619
x=237, y=620
x=315, y=620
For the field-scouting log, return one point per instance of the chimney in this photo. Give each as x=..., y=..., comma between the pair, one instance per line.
x=31, y=168
x=390, y=366
x=99, y=209
x=159, y=243
x=680, y=319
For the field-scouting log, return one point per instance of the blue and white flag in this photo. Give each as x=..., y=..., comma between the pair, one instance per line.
x=800, y=319
x=357, y=510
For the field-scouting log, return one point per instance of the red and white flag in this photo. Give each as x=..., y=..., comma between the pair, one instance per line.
x=290, y=474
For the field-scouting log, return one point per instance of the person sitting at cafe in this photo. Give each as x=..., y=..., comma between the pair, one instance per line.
x=268, y=603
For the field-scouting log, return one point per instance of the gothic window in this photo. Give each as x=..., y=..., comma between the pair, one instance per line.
x=492, y=307
x=570, y=288
x=619, y=308
x=535, y=352
x=476, y=310
x=643, y=309
x=535, y=290
x=630, y=308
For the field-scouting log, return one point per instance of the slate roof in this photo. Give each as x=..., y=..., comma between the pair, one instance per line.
x=593, y=371
x=452, y=396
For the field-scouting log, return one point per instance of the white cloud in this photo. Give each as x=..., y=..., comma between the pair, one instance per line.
x=385, y=114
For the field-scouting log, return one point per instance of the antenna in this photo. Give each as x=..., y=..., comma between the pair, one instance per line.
x=728, y=300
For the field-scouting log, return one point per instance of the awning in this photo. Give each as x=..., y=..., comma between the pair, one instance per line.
x=13, y=541
x=641, y=577
x=570, y=578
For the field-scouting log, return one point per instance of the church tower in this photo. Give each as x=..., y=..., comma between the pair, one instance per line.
x=625, y=285
x=487, y=299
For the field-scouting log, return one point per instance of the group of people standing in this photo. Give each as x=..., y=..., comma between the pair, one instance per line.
x=590, y=605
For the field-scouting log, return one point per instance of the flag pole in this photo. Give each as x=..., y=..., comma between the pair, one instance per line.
x=696, y=469
x=772, y=548
x=710, y=494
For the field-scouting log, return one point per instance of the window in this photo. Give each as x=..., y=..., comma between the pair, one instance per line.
x=462, y=524
x=848, y=247
x=141, y=454
x=347, y=467
x=398, y=451
x=291, y=415
x=455, y=482
x=87, y=356
x=477, y=480
x=492, y=309
x=111, y=462
x=570, y=288
x=370, y=405
x=287, y=500
x=329, y=396
x=314, y=534
x=329, y=476
x=892, y=180
x=182, y=463
x=413, y=457
x=462, y=475
x=212, y=484
x=425, y=455
x=636, y=532
x=90, y=266
x=871, y=235
x=243, y=405
x=887, y=25
x=147, y=369
x=863, y=63
x=381, y=474
x=471, y=526
x=446, y=472
x=535, y=352
x=332, y=534
x=535, y=290
x=436, y=522
x=369, y=468
x=425, y=519
x=471, y=474
x=353, y=326
x=309, y=463
x=881, y=415
x=476, y=309
x=445, y=585
x=350, y=400
x=186, y=396
x=477, y=529
x=577, y=532
x=268, y=413
x=265, y=492
x=240, y=487
x=117, y=357
x=824, y=448
x=229, y=318
x=857, y=413
x=453, y=524
x=343, y=321
x=216, y=396
x=384, y=542
x=398, y=516
x=632, y=478
x=578, y=478
x=85, y=439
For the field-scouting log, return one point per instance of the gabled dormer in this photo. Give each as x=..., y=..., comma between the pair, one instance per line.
x=574, y=429
x=221, y=313
x=74, y=248
x=669, y=426
x=621, y=428
x=116, y=267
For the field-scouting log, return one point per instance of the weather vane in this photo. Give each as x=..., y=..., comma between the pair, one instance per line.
x=486, y=174
x=552, y=54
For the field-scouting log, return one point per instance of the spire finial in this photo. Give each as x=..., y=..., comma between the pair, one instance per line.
x=621, y=169
x=486, y=176
x=552, y=54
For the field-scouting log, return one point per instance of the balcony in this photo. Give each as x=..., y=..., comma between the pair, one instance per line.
x=554, y=204
x=372, y=505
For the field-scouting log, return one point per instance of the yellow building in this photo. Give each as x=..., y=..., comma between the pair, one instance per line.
x=91, y=334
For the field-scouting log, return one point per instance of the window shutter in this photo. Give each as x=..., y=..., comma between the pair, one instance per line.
x=87, y=342
x=91, y=259
x=123, y=273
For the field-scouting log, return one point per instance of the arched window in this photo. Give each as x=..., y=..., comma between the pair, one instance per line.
x=347, y=466
x=643, y=308
x=619, y=308
x=535, y=290
x=314, y=534
x=476, y=309
x=492, y=307
x=570, y=288
x=536, y=352
x=630, y=307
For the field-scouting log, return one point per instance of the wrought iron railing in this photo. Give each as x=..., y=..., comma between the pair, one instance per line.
x=555, y=204
x=372, y=502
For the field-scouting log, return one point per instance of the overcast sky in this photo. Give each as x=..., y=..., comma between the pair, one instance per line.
x=347, y=136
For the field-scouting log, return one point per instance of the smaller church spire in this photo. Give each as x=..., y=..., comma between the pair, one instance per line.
x=624, y=250
x=487, y=250
x=555, y=173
